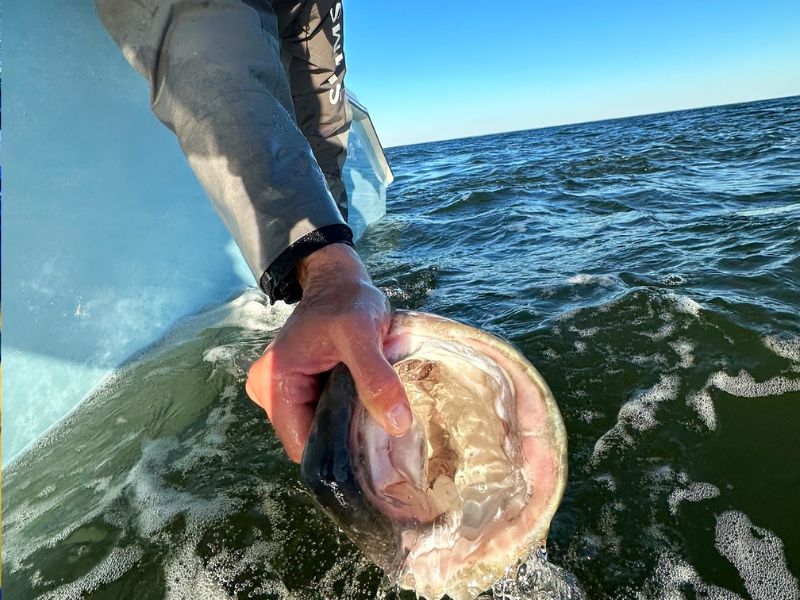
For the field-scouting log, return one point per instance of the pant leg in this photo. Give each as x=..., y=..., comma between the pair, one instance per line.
x=217, y=81
x=312, y=33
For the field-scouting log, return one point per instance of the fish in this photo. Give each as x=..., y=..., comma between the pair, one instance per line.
x=471, y=489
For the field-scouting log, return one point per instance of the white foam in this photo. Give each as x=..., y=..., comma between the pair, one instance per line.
x=641, y=359
x=580, y=346
x=684, y=348
x=665, y=331
x=36, y=579
x=186, y=577
x=696, y=492
x=155, y=500
x=758, y=556
x=249, y=311
x=230, y=392
x=550, y=354
x=744, y=386
x=341, y=581
x=20, y=514
x=568, y=314
x=158, y=503
x=684, y=304
x=673, y=575
x=113, y=566
x=587, y=416
x=584, y=278
x=666, y=474
x=608, y=523
x=158, y=372
x=703, y=405
x=538, y=578
x=207, y=442
x=615, y=434
x=788, y=348
x=672, y=279
x=24, y=513
x=99, y=485
x=637, y=413
x=640, y=410
x=608, y=480
x=46, y=491
x=588, y=332
x=220, y=353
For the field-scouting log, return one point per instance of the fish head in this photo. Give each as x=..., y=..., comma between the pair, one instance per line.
x=471, y=489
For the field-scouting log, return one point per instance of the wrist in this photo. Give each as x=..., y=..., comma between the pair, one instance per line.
x=334, y=262
x=279, y=280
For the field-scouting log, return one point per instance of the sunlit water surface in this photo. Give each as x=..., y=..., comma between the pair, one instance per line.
x=649, y=267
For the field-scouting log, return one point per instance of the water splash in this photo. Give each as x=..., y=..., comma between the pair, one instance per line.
x=538, y=579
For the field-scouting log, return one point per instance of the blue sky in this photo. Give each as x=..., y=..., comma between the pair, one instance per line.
x=439, y=69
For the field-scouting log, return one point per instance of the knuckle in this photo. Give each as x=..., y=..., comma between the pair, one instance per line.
x=382, y=386
x=253, y=371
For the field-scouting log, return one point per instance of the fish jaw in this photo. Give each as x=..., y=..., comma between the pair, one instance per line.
x=472, y=488
x=327, y=470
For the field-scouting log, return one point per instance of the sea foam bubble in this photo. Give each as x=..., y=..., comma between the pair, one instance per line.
x=694, y=492
x=758, y=555
x=742, y=385
x=788, y=348
x=637, y=413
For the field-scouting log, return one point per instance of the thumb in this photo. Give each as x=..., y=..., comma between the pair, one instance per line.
x=381, y=391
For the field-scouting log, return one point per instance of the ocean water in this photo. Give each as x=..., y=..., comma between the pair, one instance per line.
x=649, y=267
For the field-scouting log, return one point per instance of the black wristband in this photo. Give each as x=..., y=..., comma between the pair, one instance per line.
x=279, y=281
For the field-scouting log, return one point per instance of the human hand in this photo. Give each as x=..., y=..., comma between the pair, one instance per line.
x=342, y=317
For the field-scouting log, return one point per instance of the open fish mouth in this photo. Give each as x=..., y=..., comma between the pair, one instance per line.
x=471, y=489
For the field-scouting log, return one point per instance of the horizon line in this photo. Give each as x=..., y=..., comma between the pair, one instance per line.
x=663, y=112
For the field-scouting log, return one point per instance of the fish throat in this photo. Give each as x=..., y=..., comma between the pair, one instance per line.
x=459, y=466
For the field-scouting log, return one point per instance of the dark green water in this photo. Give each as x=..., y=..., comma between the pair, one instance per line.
x=649, y=267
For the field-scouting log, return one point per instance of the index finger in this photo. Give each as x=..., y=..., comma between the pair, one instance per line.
x=287, y=397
